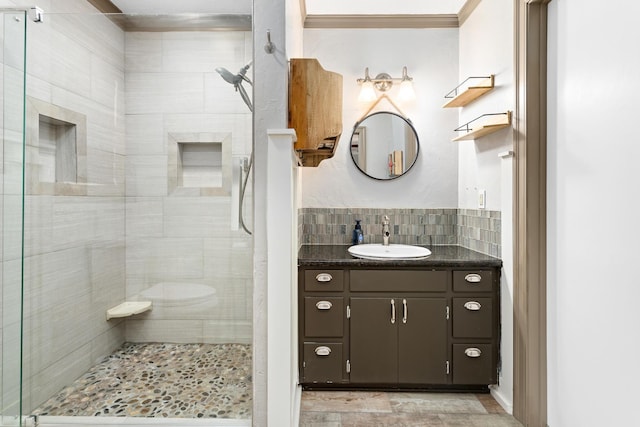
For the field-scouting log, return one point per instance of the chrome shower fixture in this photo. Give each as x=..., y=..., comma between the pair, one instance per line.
x=236, y=80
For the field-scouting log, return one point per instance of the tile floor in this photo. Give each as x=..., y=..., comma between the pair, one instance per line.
x=214, y=381
x=162, y=380
x=398, y=409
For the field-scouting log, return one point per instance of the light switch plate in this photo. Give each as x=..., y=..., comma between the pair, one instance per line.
x=482, y=199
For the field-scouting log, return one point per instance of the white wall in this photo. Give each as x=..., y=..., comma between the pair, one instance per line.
x=431, y=56
x=593, y=316
x=486, y=47
x=270, y=100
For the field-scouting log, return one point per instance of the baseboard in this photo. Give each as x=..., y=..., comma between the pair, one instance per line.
x=506, y=404
x=297, y=402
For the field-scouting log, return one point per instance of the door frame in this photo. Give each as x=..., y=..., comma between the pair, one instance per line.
x=530, y=214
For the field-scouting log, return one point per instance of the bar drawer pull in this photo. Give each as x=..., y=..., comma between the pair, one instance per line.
x=393, y=312
x=472, y=305
x=322, y=351
x=323, y=305
x=473, y=278
x=473, y=352
x=324, y=277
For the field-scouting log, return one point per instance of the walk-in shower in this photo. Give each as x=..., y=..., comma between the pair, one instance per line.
x=121, y=145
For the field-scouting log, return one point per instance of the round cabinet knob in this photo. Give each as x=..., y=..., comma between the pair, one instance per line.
x=322, y=351
x=473, y=352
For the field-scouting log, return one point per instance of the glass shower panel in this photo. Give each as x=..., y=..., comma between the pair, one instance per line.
x=131, y=137
x=12, y=57
x=74, y=246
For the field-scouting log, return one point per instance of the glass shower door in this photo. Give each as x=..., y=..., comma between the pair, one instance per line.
x=12, y=93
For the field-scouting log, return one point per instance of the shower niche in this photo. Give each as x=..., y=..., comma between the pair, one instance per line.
x=199, y=164
x=56, y=149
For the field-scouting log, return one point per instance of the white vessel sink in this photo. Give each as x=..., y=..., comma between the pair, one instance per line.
x=378, y=251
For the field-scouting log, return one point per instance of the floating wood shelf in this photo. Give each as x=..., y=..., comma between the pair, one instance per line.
x=484, y=125
x=464, y=94
x=128, y=308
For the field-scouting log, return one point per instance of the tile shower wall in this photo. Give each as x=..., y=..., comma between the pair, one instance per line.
x=475, y=229
x=178, y=235
x=74, y=248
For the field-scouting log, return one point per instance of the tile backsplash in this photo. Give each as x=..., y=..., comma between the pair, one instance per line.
x=478, y=230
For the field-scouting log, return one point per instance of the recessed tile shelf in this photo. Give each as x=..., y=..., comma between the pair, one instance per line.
x=465, y=93
x=128, y=308
x=484, y=125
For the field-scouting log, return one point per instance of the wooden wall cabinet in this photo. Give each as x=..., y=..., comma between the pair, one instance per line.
x=315, y=109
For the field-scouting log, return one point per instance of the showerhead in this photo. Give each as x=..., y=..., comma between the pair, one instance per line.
x=236, y=80
x=227, y=75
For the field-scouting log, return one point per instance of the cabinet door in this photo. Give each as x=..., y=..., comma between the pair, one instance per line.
x=474, y=364
x=374, y=340
x=322, y=363
x=422, y=348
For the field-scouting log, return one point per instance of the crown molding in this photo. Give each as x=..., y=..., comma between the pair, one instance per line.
x=303, y=11
x=467, y=9
x=105, y=6
x=381, y=21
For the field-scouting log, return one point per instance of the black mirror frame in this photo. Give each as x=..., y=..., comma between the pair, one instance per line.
x=408, y=122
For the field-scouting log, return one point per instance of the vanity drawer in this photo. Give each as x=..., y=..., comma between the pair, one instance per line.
x=472, y=317
x=473, y=364
x=398, y=280
x=472, y=281
x=323, y=316
x=323, y=280
x=322, y=363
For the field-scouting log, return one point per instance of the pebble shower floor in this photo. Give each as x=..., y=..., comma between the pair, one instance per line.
x=162, y=380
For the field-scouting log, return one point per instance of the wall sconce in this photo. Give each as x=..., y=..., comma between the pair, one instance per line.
x=383, y=82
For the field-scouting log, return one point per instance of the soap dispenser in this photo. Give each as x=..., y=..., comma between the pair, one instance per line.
x=358, y=237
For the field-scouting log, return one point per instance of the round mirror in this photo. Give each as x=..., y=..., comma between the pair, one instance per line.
x=384, y=145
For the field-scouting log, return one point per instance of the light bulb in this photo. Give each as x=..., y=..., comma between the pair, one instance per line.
x=406, y=92
x=367, y=92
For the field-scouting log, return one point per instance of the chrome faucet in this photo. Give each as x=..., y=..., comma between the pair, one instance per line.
x=385, y=231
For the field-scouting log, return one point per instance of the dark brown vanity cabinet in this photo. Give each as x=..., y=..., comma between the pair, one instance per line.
x=398, y=327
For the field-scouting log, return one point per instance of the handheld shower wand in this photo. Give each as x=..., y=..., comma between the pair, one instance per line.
x=236, y=80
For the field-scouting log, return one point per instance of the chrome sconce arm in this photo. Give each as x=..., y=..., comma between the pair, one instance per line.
x=383, y=82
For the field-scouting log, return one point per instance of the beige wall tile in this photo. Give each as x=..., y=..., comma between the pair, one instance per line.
x=175, y=331
x=164, y=93
x=143, y=51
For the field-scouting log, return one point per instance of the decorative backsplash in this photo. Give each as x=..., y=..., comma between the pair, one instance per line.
x=478, y=230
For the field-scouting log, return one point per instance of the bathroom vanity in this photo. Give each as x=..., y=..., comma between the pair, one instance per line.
x=432, y=323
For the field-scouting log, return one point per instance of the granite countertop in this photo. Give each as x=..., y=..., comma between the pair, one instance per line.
x=441, y=256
